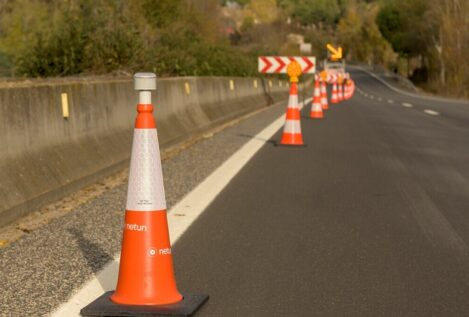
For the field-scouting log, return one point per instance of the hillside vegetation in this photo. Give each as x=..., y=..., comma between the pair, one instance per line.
x=425, y=40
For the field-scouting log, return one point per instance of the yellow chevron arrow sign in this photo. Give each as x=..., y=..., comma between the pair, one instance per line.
x=336, y=53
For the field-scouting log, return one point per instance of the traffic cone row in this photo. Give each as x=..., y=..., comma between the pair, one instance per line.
x=146, y=283
x=292, y=128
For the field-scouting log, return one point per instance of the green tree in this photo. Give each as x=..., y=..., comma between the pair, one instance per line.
x=162, y=13
x=361, y=39
x=264, y=11
x=402, y=25
x=313, y=11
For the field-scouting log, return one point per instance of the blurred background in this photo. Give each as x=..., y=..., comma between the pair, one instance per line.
x=424, y=40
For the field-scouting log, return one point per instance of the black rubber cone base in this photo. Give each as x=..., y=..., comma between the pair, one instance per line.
x=289, y=145
x=103, y=306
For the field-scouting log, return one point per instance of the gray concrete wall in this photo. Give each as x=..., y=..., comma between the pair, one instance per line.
x=45, y=157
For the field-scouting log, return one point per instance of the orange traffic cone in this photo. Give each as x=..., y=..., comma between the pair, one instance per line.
x=346, y=90
x=334, y=96
x=292, y=129
x=324, y=103
x=352, y=88
x=316, y=107
x=340, y=93
x=146, y=277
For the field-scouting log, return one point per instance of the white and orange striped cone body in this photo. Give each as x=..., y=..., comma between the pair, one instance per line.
x=340, y=93
x=349, y=88
x=292, y=128
x=324, y=102
x=316, y=107
x=346, y=91
x=334, y=97
x=352, y=88
x=146, y=274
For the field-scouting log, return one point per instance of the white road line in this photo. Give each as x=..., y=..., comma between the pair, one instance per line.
x=407, y=105
x=372, y=97
x=431, y=112
x=390, y=101
x=409, y=93
x=379, y=99
x=191, y=206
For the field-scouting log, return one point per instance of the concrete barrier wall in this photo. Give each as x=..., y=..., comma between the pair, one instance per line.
x=45, y=157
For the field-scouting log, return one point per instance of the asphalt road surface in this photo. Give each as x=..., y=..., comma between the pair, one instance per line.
x=371, y=218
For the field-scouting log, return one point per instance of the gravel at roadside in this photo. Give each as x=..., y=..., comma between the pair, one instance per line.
x=43, y=268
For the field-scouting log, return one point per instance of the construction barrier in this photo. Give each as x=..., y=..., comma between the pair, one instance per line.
x=60, y=135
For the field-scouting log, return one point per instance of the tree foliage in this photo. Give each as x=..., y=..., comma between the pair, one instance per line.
x=401, y=24
x=313, y=11
x=173, y=37
x=162, y=13
x=264, y=11
x=434, y=32
x=201, y=37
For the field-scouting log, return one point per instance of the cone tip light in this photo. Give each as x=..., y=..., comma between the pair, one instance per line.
x=145, y=81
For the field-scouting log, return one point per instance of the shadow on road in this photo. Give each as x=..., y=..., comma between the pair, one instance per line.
x=96, y=258
x=256, y=138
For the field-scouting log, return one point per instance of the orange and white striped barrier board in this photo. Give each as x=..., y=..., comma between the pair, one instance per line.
x=278, y=64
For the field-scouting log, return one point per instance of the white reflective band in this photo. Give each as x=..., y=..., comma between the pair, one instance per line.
x=293, y=101
x=292, y=126
x=316, y=107
x=146, y=188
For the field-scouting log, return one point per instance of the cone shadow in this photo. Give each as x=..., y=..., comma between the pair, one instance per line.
x=309, y=118
x=256, y=138
x=289, y=145
x=96, y=258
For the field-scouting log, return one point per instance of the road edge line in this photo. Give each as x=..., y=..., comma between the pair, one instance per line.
x=459, y=101
x=192, y=206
